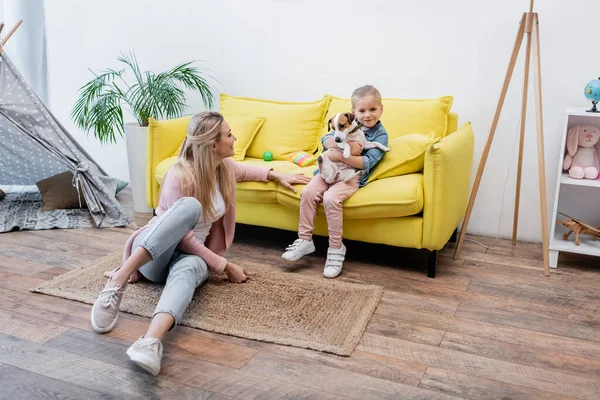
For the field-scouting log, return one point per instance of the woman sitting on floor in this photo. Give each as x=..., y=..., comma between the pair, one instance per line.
x=193, y=227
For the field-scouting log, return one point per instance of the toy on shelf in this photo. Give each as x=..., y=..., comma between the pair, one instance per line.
x=578, y=227
x=592, y=92
x=581, y=159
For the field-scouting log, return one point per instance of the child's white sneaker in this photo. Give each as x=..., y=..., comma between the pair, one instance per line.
x=298, y=249
x=147, y=353
x=334, y=263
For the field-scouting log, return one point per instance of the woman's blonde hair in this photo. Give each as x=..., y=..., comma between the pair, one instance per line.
x=366, y=90
x=198, y=168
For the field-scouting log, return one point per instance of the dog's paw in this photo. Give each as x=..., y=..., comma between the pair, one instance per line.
x=347, y=152
x=385, y=148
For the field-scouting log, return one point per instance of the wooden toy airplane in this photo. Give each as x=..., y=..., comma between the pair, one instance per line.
x=578, y=227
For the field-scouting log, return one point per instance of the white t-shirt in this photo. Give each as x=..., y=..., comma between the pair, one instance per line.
x=202, y=228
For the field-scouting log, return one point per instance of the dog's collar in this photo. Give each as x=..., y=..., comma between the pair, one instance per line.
x=357, y=128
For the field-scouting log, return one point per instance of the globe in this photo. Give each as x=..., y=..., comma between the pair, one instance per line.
x=592, y=92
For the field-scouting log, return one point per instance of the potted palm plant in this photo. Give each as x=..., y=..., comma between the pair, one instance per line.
x=102, y=101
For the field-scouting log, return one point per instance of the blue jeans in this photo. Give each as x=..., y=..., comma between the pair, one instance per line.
x=182, y=273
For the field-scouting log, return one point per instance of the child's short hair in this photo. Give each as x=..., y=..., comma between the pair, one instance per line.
x=366, y=90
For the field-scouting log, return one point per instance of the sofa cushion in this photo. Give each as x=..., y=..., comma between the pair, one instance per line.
x=58, y=192
x=261, y=192
x=256, y=192
x=169, y=129
x=403, y=116
x=397, y=196
x=163, y=167
x=245, y=130
x=406, y=156
x=308, y=170
x=277, y=165
x=289, y=126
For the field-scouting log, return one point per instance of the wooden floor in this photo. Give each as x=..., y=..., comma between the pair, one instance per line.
x=489, y=326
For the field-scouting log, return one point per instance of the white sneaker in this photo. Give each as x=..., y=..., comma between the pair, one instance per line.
x=147, y=353
x=334, y=263
x=298, y=249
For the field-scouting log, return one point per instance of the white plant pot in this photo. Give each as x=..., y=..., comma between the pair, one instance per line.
x=136, y=139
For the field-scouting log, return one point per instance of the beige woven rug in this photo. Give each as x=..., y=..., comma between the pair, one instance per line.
x=273, y=306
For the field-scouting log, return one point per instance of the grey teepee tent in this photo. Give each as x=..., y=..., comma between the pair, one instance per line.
x=34, y=146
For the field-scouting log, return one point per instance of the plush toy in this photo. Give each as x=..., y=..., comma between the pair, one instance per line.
x=302, y=158
x=581, y=159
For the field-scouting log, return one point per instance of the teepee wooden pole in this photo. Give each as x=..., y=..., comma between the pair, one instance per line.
x=1, y=26
x=11, y=32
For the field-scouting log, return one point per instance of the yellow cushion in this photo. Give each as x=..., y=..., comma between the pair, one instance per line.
x=245, y=130
x=289, y=126
x=175, y=128
x=397, y=196
x=308, y=171
x=256, y=192
x=404, y=116
x=407, y=155
x=277, y=165
x=163, y=167
x=261, y=192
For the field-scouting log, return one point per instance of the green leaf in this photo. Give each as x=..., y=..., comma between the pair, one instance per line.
x=99, y=107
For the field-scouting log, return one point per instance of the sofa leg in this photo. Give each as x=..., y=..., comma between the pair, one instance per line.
x=454, y=236
x=432, y=263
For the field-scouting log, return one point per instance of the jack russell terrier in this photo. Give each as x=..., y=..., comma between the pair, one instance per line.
x=346, y=130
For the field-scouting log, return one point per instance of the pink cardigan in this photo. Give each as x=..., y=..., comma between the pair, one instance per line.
x=222, y=231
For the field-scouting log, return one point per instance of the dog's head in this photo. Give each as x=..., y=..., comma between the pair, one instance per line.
x=343, y=124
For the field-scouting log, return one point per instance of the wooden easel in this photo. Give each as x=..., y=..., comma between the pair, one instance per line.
x=530, y=26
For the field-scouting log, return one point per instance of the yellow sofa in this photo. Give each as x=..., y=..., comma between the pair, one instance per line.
x=421, y=209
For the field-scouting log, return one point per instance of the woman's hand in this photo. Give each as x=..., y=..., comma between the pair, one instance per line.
x=236, y=273
x=287, y=180
x=133, y=278
x=355, y=148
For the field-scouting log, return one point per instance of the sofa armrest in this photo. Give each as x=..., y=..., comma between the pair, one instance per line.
x=446, y=184
x=164, y=137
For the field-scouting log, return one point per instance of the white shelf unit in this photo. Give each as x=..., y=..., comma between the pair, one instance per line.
x=578, y=198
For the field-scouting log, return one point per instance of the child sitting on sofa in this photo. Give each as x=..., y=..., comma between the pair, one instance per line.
x=367, y=107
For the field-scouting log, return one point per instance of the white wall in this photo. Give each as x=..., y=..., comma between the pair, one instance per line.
x=299, y=50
